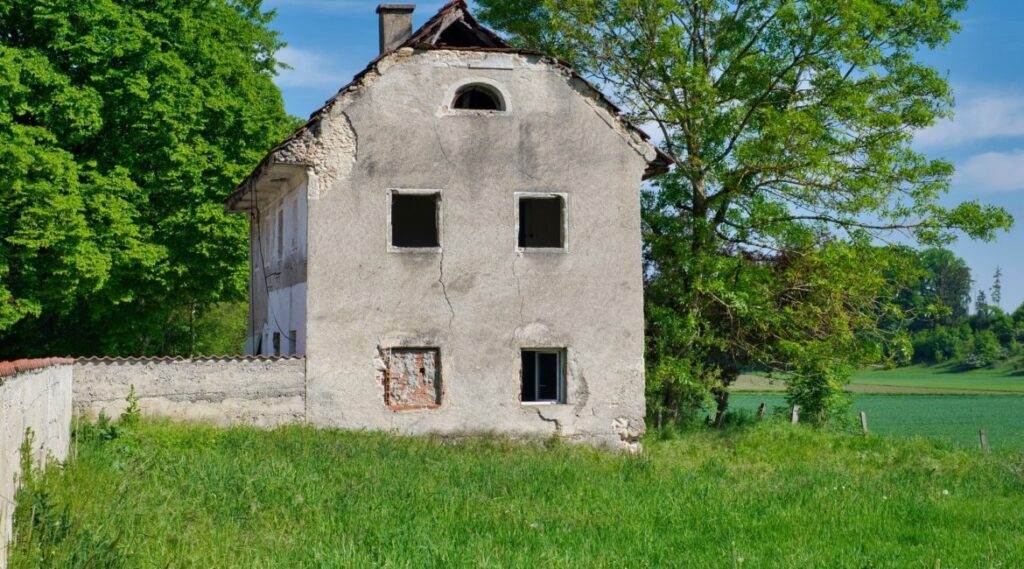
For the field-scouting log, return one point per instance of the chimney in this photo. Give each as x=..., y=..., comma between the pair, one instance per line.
x=395, y=24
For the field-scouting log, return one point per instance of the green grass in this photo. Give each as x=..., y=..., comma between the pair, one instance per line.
x=954, y=419
x=772, y=495
x=913, y=379
x=943, y=378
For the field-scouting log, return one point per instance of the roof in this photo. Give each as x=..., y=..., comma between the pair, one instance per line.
x=14, y=367
x=453, y=27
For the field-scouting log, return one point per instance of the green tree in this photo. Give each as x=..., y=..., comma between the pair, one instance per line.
x=123, y=124
x=939, y=289
x=789, y=123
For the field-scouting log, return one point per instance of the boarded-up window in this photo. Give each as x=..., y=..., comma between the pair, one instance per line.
x=412, y=378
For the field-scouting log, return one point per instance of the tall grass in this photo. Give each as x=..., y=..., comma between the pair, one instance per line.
x=773, y=495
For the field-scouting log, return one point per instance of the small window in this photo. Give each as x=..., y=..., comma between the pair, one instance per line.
x=541, y=222
x=277, y=343
x=293, y=339
x=414, y=220
x=543, y=376
x=478, y=97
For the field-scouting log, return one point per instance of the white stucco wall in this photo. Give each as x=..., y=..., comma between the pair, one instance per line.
x=39, y=400
x=478, y=300
x=225, y=391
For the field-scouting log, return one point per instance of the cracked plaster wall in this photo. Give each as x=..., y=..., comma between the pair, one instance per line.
x=478, y=300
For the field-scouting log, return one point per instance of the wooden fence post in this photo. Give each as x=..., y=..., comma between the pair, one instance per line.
x=794, y=416
x=983, y=438
x=760, y=412
x=864, y=422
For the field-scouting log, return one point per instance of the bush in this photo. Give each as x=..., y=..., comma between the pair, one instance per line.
x=983, y=350
x=940, y=344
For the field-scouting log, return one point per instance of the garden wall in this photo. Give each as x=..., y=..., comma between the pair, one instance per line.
x=36, y=395
x=227, y=391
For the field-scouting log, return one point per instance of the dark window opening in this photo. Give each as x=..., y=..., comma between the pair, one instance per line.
x=478, y=97
x=543, y=376
x=277, y=343
x=461, y=35
x=293, y=341
x=414, y=220
x=540, y=222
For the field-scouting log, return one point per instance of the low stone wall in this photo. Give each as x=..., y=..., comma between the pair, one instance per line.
x=36, y=395
x=264, y=392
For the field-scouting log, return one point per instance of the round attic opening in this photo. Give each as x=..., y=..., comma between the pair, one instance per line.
x=478, y=97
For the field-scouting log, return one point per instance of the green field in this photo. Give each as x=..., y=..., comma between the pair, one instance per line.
x=952, y=419
x=943, y=379
x=771, y=495
x=933, y=402
x=914, y=379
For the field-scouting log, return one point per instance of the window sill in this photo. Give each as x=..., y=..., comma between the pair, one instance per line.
x=539, y=403
x=542, y=250
x=415, y=250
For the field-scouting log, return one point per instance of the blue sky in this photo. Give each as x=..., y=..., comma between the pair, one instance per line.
x=329, y=41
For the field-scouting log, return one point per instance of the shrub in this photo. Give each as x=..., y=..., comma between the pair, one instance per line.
x=983, y=350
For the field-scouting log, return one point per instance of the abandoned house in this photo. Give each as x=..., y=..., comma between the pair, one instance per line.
x=453, y=243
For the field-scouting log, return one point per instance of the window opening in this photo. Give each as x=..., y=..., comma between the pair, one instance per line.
x=541, y=222
x=414, y=220
x=277, y=343
x=543, y=376
x=478, y=97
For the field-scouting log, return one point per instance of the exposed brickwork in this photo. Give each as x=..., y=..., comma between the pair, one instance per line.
x=412, y=379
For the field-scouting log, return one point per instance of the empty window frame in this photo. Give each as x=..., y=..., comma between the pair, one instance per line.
x=543, y=375
x=478, y=97
x=415, y=219
x=541, y=221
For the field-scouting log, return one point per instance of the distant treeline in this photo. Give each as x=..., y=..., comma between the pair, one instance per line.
x=938, y=326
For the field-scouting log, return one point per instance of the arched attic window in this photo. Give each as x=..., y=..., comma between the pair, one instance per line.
x=478, y=97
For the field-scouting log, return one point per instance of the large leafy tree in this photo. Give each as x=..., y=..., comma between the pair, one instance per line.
x=123, y=124
x=789, y=123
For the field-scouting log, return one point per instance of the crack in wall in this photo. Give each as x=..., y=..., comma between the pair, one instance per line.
x=519, y=290
x=444, y=289
x=557, y=422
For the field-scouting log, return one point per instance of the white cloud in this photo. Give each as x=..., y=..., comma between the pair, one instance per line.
x=308, y=69
x=978, y=117
x=992, y=172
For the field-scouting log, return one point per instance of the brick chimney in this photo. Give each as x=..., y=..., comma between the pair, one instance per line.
x=395, y=24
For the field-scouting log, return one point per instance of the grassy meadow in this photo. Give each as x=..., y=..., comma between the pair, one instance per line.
x=770, y=495
x=950, y=419
x=935, y=402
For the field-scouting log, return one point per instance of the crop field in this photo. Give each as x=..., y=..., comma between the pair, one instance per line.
x=943, y=379
x=953, y=419
x=162, y=494
x=914, y=379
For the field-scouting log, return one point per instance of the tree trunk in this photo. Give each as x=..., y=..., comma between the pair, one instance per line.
x=721, y=393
